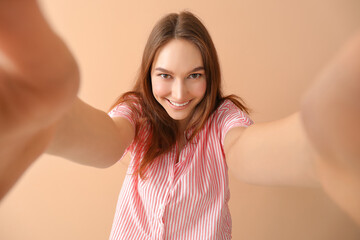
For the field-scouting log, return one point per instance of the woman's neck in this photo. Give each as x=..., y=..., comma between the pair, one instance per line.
x=182, y=124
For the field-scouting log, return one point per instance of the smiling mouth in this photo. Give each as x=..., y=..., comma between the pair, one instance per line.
x=178, y=104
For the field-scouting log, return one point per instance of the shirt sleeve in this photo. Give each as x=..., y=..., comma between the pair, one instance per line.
x=230, y=116
x=125, y=111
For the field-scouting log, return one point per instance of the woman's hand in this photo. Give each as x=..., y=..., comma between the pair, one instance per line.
x=39, y=76
x=331, y=117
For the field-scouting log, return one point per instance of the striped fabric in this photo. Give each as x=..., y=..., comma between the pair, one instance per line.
x=184, y=200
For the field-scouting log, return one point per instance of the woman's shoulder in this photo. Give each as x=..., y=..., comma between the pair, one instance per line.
x=226, y=103
x=226, y=106
x=130, y=101
x=128, y=106
x=229, y=110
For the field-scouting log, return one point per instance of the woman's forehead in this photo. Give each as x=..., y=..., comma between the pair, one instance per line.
x=178, y=55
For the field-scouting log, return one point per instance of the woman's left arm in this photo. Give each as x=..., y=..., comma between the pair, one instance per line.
x=320, y=145
x=272, y=153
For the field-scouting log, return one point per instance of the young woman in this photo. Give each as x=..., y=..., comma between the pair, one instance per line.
x=183, y=134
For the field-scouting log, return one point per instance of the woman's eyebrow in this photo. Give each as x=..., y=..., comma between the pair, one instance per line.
x=168, y=71
x=198, y=69
x=163, y=70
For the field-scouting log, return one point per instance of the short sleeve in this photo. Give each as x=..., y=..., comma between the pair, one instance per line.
x=124, y=110
x=228, y=116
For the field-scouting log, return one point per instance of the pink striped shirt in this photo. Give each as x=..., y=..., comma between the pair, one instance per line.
x=184, y=200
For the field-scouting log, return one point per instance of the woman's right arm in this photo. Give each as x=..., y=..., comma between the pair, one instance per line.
x=91, y=137
x=39, y=79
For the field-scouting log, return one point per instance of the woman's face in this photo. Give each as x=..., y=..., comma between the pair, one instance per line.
x=178, y=78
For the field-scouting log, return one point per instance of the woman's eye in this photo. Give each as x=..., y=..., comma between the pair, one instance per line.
x=165, y=76
x=195, y=75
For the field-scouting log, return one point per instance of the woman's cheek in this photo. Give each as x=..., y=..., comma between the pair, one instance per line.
x=200, y=88
x=160, y=88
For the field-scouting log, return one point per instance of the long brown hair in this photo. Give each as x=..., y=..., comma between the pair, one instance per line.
x=164, y=130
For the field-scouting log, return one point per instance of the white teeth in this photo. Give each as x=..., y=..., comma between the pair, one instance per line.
x=177, y=104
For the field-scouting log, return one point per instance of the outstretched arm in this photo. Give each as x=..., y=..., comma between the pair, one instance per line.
x=272, y=153
x=331, y=116
x=319, y=145
x=38, y=83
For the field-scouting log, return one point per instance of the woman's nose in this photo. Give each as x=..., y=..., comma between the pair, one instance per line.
x=179, y=89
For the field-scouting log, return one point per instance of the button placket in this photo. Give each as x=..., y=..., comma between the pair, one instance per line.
x=183, y=154
x=168, y=194
x=162, y=207
x=161, y=216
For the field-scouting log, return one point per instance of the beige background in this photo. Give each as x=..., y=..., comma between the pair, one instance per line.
x=270, y=52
